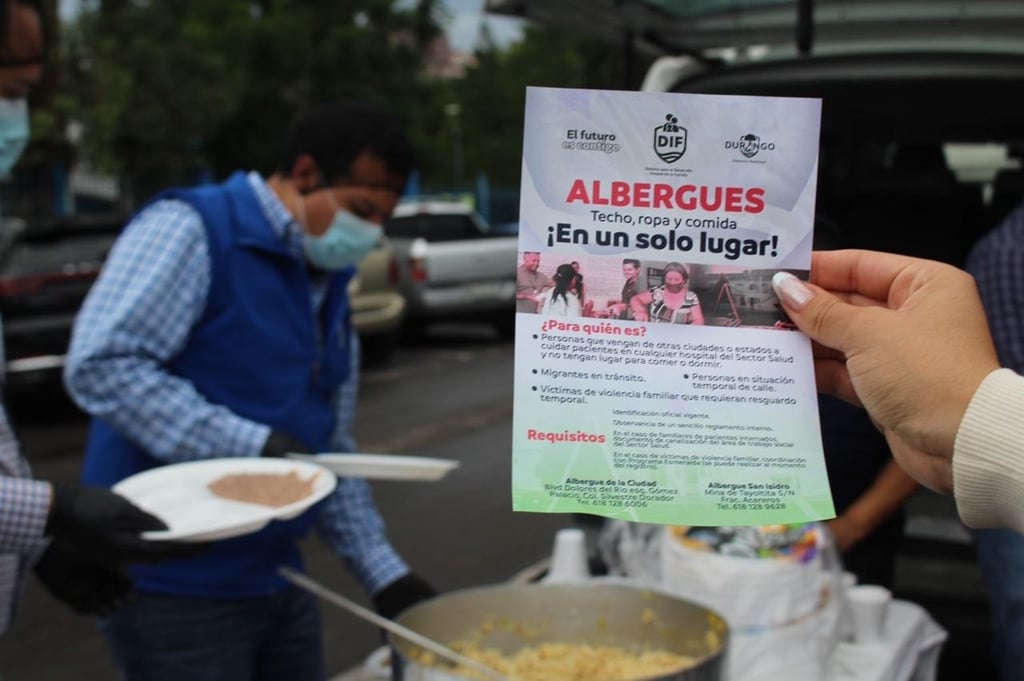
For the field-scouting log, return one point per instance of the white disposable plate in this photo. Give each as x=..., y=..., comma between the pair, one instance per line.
x=178, y=495
x=382, y=466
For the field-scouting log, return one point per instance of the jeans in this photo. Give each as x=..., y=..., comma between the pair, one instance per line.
x=170, y=638
x=1001, y=560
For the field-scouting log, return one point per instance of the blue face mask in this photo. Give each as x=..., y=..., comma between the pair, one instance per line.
x=348, y=239
x=13, y=132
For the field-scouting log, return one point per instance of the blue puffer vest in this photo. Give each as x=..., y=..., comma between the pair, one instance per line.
x=257, y=351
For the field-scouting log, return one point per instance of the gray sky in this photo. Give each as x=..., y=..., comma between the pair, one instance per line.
x=462, y=28
x=465, y=24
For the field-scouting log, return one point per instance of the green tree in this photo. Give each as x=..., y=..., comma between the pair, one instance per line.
x=154, y=81
x=304, y=53
x=493, y=93
x=166, y=89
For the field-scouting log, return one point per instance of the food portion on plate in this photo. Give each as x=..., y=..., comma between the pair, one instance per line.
x=265, y=489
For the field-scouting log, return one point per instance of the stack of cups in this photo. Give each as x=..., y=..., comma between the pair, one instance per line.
x=568, y=558
x=844, y=632
x=869, y=606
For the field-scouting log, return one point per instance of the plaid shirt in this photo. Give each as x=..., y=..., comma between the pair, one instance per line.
x=997, y=263
x=138, y=317
x=24, y=506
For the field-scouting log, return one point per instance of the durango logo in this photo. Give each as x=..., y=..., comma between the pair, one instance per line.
x=670, y=140
x=749, y=145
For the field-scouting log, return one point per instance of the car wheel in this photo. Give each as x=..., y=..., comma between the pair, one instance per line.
x=414, y=330
x=505, y=324
x=377, y=349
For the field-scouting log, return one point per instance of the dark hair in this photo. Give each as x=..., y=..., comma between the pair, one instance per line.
x=563, y=278
x=631, y=261
x=41, y=11
x=336, y=134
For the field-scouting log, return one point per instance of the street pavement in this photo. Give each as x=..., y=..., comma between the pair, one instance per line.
x=450, y=396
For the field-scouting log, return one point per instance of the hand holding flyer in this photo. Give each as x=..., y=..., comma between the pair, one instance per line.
x=657, y=377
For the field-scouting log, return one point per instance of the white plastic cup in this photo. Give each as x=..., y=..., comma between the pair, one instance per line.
x=869, y=605
x=568, y=558
x=847, y=581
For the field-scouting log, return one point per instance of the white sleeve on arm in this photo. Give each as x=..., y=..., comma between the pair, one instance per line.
x=988, y=456
x=135, y=320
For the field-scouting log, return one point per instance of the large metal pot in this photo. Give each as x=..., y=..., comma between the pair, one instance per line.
x=509, y=617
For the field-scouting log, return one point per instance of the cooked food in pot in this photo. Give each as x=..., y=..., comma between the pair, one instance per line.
x=268, y=489
x=569, y=662
x=593, y=631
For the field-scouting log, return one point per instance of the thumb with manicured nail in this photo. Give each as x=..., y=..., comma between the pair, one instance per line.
x=909, y=341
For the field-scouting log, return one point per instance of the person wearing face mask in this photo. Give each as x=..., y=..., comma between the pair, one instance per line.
x=220, y=327
x=76, y=540
x=23, y=48
x=672, y=302
x=14, y=132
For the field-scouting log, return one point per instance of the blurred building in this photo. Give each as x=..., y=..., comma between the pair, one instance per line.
x=445, y=63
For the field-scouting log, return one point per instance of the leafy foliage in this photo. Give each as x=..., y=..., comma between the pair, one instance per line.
x=493, y=94
x=165, y=90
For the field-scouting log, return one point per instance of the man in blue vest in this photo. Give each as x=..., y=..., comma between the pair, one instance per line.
x=220, y=327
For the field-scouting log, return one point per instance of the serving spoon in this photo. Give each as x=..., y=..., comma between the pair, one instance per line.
x=302, y=581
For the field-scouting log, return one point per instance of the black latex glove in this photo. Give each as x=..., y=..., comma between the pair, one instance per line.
x=106, y=526
x=280, y=443
x=402, y=593
x=87, y=587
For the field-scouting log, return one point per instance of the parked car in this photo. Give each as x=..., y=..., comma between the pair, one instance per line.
x=921, y=145
x=47, y=270
x=920, y=152
x=378, y=306
x=452, y=266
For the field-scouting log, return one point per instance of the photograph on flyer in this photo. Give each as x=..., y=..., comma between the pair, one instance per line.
x=643, y=290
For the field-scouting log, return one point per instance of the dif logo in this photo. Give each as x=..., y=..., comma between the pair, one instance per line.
x=670, y=140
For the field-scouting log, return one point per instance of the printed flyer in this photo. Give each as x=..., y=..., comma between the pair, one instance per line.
x=657, y=378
